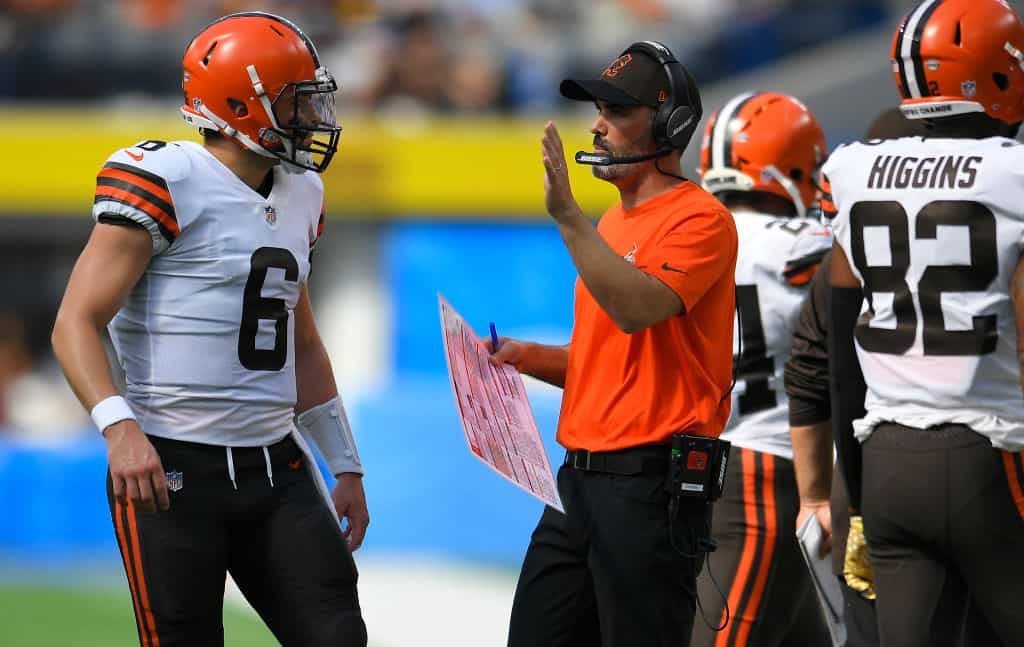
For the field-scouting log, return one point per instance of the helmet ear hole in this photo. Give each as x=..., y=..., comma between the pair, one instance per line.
x=1001, y=80
x=238, y=108
x=796, y=174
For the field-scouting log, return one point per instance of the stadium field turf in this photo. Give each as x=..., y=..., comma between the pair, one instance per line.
x=48, y=616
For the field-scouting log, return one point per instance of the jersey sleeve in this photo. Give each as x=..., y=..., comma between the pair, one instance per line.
x=695, y=254
x=828, y=205
x=133, y=186
x=318, y=230
x=809, y=248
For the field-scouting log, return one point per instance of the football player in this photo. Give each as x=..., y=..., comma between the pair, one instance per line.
x=759, y=156
x=928, y=299
x=198, y=266
x=823, y=491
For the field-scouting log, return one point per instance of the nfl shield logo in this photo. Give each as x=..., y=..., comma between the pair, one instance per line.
x=271, y=215
x=175, y=481
x=969, y=88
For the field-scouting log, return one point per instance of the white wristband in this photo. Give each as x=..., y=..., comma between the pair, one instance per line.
x=111, y=410
x=327, y=427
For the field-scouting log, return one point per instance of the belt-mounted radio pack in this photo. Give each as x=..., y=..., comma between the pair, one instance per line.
x=697, y=466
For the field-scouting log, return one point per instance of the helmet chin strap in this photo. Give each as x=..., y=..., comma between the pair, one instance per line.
x=787, y=184
x=300, y=156
x=210, y=120
x=293, y=169
x=257, y=86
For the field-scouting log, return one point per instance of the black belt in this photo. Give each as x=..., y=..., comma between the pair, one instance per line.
x=646, y=459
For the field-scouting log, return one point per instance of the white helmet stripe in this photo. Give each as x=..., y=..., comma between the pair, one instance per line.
x=906, y=46
x=721, y=128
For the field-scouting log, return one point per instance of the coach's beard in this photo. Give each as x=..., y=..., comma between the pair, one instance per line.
x=617, y=171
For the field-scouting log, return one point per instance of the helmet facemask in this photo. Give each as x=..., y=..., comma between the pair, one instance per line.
x=306, y=130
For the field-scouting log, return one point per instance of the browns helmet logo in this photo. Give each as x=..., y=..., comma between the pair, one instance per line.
x=613, y=70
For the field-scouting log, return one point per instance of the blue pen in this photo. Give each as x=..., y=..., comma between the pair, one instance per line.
x=494, y=338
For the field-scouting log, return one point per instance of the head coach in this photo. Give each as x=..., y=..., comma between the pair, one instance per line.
x=646, y=373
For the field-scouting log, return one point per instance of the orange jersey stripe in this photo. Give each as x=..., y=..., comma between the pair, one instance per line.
x=139, y=202
x=802, y=277
x=1014, y=478
x=739, y=582
x=770, y=537
x=143, y=183
x=128, y=569
x=144, y=593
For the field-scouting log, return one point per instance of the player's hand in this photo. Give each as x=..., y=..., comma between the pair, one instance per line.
x=558, y=198
x=136, y=472
x=350, y=502
x=820, y=509
x=510, y=351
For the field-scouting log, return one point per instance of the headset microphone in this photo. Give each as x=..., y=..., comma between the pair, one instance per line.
x=603, y=159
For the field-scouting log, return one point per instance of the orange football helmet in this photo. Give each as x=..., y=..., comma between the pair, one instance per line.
x=953, y=57
x=256, y=77
x=763, y=141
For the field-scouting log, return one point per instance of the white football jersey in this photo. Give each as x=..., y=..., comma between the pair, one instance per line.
x=777, y=258
x=933, y=230
x=206, y=337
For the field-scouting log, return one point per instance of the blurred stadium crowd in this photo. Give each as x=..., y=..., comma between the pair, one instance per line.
x=439, y=55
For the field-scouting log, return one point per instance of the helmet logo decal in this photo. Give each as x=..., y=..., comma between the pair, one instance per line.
x=617, y=65
x=969, y=89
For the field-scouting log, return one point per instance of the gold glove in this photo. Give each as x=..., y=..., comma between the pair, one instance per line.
x=856, y=565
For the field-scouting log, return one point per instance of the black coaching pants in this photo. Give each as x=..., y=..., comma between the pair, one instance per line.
x=606, y=572
x=943, y=519
x=280, y=542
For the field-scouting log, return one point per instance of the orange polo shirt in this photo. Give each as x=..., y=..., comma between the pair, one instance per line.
x=623, y=390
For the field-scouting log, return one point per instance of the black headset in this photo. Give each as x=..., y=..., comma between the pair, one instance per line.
x=679, y=115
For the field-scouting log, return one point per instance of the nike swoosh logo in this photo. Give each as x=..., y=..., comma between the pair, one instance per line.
x=137, y=158
x=295, y=464
x=669, y=268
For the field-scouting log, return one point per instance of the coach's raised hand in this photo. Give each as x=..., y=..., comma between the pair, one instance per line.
x=136, y=473
x=558, y=199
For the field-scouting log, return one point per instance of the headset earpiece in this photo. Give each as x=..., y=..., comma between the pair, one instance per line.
x=678, y=116
x=678, y=129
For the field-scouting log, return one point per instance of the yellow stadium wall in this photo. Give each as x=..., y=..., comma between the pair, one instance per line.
x=401, y=167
